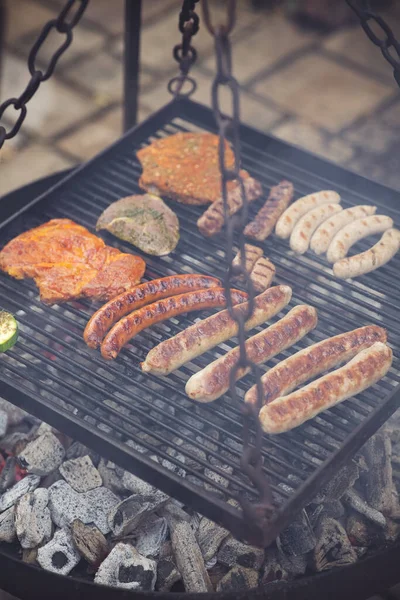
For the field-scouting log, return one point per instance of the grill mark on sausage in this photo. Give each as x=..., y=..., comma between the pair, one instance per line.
x=213, y=381
x=142, y=294
x=290, y=411
x=315, y=359
x=278, y=200
x=212, y=220
x=144, y=317
x=205, y=334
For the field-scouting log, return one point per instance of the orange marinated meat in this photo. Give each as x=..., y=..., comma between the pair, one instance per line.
x=185, y=167
x=67, y=262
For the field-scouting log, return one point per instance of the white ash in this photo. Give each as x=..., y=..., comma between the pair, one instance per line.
x=10, y=497
x=32, y=519
x=111, y=475
x=233, y=552
x=217, y=477
x=59, y=555
x=298, y=538
x=126, y=516
x=238, y=579
x=151, y=535
x=333, y=547
x=191, y=462
x=81, y=474
x=167, y=571
x=15, y=414
x=29, y=555
x=43, y=455
x=172, y=466
x=354, y=501
x=339, y=484
x=76, y=450
x=187, y=553
x=135, y=485
x=210, y=536
x=378, y=480
x=90, y=542
x=93, y=506
x=125, y=568
x=3, y=422
x=7, y=525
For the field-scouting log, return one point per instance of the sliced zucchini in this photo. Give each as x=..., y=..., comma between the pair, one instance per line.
x=8, y=331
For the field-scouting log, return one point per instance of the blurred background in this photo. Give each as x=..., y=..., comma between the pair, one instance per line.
x=309, y=75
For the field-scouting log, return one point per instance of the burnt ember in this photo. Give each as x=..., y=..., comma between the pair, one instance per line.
x=70, y=509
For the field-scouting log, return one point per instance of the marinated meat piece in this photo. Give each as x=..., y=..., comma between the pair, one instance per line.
x=144, y=221
x=185, y=167
x=67, y=261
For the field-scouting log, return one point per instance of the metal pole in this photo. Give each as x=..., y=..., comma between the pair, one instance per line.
x=2, y=33
x=133, y=12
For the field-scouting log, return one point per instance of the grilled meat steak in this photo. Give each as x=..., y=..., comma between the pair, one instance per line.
x=67, y=261
x=185, y=167
x=144, y=221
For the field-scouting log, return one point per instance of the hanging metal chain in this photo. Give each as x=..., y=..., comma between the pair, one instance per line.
x=388, y=44
x=251, y=462
x=184, y=53
x=64, y=24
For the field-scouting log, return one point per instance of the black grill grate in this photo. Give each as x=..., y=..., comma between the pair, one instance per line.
x=147, y=424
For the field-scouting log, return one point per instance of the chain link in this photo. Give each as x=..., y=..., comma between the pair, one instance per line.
x=184, y=53
x=388, y=44
x=63, y=24
x=251, y=461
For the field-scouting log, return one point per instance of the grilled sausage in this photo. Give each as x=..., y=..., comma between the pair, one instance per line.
x=325, y=233
x=208, y=333
x=361, y=372
x=212, y=220
x=371, y=259
x=139, y=296
x=278, y=200
x=355, y=231
x=288, y=220
x=310, y=362
x=213, y=381
x=308, y=223
x=161, y=310
x=253, y=253
x=262, y=274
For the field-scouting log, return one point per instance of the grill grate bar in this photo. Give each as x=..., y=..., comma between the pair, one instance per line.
x=52, y=372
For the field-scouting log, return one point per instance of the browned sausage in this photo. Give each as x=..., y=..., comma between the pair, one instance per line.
x=365, y=369
x=313, y=360
x=139, y=296
x=164, y=309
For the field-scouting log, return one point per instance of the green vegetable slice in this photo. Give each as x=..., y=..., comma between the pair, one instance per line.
x=8, y=331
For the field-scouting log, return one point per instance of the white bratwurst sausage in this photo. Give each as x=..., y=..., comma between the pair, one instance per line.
x=326, y=232
x=361, y=372
x=355, y=231
x=287, y=375
x=288, y=220
x=305, y=227
x=208, y=333
x=213, y=381
x=371, y=259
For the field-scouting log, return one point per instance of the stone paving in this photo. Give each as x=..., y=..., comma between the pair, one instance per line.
x=331, y=94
